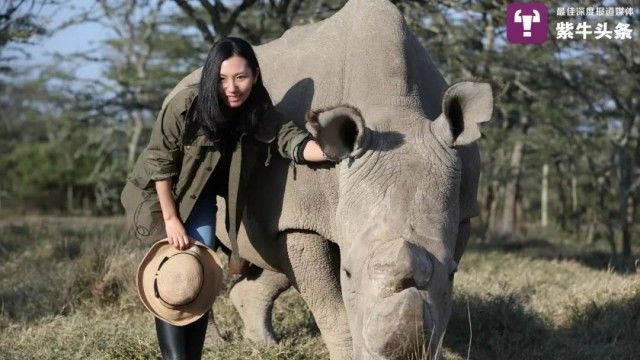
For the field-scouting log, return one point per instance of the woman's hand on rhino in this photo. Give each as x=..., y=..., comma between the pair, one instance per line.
x=176, y=233
x=312, y=152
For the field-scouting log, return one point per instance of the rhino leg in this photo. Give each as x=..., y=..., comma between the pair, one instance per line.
x=314, y=272
x=464, y=231
x=214, y=337
x=253, y=297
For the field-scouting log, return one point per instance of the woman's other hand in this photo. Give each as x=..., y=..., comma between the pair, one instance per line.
x=176, y=233
x=312, y=152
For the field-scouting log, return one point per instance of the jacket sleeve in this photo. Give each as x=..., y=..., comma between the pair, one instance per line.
x=290, y=138
x=164, y=153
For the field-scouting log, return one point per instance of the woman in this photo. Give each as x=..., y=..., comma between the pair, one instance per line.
x=204, y=143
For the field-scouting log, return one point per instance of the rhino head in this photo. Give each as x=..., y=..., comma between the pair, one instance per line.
x=399, y=214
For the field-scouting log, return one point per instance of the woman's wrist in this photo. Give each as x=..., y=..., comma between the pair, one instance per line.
x=165, y=197
x=300, y=150
x=170, y=217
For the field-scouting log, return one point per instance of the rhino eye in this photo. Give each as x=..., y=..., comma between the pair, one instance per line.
x=452, y=274
x=453, y=269
x=347, y=272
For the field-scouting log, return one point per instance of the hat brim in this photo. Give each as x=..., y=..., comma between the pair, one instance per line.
x=186, y=314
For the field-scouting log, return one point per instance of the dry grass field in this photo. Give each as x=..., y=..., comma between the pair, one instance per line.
x=67, y=292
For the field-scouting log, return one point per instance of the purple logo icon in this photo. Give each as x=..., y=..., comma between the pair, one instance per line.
x=527, y=23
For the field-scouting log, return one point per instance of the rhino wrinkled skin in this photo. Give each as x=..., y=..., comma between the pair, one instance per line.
x=370, y=242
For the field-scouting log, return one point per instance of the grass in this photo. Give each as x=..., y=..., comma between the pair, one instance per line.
x=67, y=292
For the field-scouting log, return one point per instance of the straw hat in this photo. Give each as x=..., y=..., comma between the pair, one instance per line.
x=179, y=286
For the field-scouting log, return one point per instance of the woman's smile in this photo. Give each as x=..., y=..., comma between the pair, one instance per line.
x=236, y=81
x=233, y=98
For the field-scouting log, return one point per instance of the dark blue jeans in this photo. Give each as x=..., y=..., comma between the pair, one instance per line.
x=201, y=224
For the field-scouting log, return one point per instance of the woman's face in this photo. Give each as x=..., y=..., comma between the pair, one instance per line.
x=236, y=81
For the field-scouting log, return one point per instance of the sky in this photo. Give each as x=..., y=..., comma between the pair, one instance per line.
x=84, y=37
x=78, y=38
x=73, y=39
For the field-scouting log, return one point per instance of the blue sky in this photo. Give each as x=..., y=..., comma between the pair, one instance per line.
x=78, y=38
x=73, y=39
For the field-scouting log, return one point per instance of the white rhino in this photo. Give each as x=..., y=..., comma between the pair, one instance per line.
x=370, y=243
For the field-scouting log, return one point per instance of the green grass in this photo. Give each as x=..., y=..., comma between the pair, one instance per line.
x=67, y=292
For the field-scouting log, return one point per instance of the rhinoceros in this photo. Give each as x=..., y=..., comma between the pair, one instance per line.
x=371, y=242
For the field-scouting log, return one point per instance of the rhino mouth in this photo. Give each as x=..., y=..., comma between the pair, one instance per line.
x=400, y=327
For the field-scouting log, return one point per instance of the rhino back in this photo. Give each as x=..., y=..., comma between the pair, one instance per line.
x=364, y=55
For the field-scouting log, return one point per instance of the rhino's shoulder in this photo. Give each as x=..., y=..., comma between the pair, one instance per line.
x=183, y=99
x=190, y=81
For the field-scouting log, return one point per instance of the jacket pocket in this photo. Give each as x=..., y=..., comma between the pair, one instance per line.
x=143, y=213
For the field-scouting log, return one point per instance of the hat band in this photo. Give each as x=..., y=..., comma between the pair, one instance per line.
x=155, y=283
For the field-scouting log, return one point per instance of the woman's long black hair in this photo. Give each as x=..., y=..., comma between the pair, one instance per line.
x=218, y=121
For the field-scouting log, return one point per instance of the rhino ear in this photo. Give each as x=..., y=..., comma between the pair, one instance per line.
x=340, y=131
x=464, y=106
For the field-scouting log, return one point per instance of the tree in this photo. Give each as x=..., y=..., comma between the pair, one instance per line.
x=257, y=21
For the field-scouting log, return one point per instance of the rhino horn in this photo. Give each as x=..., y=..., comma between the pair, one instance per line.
x=465, y=105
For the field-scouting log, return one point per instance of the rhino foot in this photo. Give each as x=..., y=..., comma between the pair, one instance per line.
x=213, y=338
x=253, y=298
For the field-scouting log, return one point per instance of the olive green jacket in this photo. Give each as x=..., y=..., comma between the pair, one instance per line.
x=178, y=149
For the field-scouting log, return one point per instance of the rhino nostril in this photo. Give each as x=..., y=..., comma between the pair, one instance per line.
x=406, y=283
